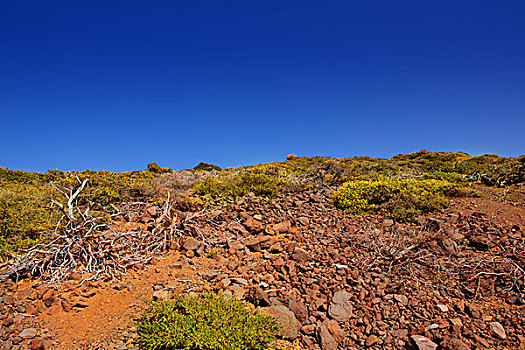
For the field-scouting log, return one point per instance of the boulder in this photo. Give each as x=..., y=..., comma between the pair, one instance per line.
x=282, y=227
x=371, y=340
x=253, y=225
x=299, y=309
x=423, y=343
x=303, y=220
x=190, y=243
x=152, y=211
x=28, y=333
x=473, y=311
x=260, y=243
x=300, y=255
x=335, y=329
x=258, y=296
x=453, y=344
x=290, y=326
x=497, y=329
x=326, y=338
x=340, y=308
x=209, y=275
x=160, y=295
x=400, y=298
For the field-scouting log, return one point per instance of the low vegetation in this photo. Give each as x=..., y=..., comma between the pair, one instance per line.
x=260, y=181
x=400, y=199
x=157, y=169
x=489, y=170
x=204, y=322
x=206, y=167
x=27, y=209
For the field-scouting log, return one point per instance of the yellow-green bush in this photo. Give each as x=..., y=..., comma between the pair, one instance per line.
x=449, y=177
x=204, y=322
x=25, y=200
x=105, y=187
x=25, y=212
x=401, y=199
x=492, y=170
x=265, y=181
x=157, y=169
x=202, y=166
x=489, y=169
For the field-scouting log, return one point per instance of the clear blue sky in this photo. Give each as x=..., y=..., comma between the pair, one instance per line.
x=117, y=84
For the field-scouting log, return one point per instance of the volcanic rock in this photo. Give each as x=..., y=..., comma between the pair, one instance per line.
x=259, y=243
x=253, y=225
x=303, y=220
x=326, y=338
x=497, y=329
x=402, y=299
x=190, y=243
x=340, y=307
x=28, y=333
x=300, y=255
x=371, y=340
x=473, y=311
x=442, y=308
x=258, y=296
x=160, y=295
x=454, y=344
x=290, y=326
x=299, y=309
x=282, y=227
x=423, y=343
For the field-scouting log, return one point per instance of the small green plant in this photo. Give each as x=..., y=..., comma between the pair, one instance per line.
x=204, y=322
x=211, y=254
x=401, y=199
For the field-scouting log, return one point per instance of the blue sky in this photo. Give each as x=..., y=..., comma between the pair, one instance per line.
x=115, y=85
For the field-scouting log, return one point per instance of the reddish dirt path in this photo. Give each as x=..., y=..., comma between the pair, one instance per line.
x=112, y=310
x=500, y=213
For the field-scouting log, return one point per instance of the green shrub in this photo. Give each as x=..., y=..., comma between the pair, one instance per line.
x=105, y=188
x=205, y=322
x=449, y=177
x=25, y=212
x=155, y=168
x=492, y=170
x=206, y=167
x=259, y=181
x=401, y=199
x=25, y=200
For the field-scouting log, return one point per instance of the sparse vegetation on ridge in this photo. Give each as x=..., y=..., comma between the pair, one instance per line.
x=26, y=208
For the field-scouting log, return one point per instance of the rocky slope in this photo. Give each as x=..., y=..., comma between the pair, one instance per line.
x=453, y=280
